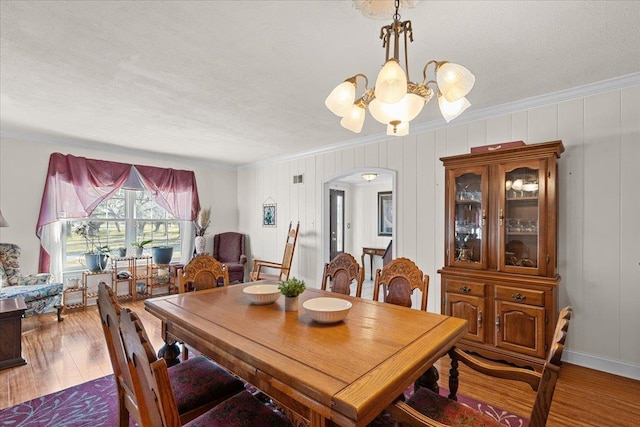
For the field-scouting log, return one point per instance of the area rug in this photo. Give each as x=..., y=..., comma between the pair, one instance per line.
x=95, y=404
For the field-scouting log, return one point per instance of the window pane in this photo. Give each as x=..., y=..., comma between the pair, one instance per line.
x=109, y=224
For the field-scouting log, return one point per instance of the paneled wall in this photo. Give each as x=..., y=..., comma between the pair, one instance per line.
x=599, y=173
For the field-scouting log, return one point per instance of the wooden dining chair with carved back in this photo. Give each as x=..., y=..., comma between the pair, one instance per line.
x=157, y=403
x=426, y=408
x=259, y=265
x=341, y=273
x=197, y=384
x=399, y=279
x=202, y=272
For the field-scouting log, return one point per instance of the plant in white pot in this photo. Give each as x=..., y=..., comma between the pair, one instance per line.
x=139, y=246
x=202, y=223
x=291, y=288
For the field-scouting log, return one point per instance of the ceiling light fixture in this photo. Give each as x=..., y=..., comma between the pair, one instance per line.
x=396, y=100
x=369, y=176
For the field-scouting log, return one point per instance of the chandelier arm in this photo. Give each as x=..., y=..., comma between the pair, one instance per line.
x=424, y=71
x=366, y=80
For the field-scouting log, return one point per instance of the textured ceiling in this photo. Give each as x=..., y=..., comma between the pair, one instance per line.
x=236, y=82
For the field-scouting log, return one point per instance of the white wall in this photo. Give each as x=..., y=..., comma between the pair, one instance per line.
x=23, y=168
x=599, y=204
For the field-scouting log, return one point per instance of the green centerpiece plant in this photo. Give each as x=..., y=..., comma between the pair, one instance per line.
x=291, y=288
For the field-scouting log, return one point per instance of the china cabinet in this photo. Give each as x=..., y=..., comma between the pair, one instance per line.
x=500, y=272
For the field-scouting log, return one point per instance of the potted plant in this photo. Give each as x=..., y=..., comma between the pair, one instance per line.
x=291, y=288
x=204, y=219
x=139, y=246
x=96, y=257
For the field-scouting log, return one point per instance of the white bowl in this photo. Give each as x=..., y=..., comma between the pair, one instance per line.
x=262, y=294
x=327, y=310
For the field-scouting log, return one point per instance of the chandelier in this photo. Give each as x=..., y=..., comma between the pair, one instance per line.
x=396, y=100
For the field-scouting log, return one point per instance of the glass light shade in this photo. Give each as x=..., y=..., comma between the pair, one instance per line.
x=454, y=81
x=369, y=176
x=354, y=120
x=3, y=222
x=405, y=110
x=391, y=84
x=399, y=130
x=341, y=99
x=451, y=110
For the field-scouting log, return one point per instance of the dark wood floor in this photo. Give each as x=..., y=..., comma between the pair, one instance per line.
x=61, y=355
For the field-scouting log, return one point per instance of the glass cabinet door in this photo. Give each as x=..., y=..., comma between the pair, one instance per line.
x=468, y=218
x=521, y=218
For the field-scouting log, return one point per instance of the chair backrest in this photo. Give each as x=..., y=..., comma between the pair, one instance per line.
x=399, y=278
x=203, y=271
x=289, y=249
x=152, y=385
x=228, y=247
x=544, y=383
x=10, y=262
x=342, y=271
x=109, y=310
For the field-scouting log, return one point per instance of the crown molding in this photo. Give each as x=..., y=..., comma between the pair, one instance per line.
x=591, y=89
x=37, y=137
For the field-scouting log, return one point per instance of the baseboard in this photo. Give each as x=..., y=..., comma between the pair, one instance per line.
x=616, y=367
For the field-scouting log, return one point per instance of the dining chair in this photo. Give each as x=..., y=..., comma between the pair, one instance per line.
x=426, y=408
x=341, y=272
x=284, y=267
x=399, y=279
x=153, y=386
x=202, y=272
x=197, y=384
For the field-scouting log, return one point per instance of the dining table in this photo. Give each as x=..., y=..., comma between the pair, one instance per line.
x=343, y=374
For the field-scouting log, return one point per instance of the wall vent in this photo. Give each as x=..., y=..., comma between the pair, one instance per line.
x=297, y=179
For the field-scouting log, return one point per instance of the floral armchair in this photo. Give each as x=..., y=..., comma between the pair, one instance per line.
x=40, y=294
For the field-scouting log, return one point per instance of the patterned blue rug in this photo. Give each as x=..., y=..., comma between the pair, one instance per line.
x=95, y=404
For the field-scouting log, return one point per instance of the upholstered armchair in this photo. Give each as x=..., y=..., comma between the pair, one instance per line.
x=40, y=293
x=228, y=248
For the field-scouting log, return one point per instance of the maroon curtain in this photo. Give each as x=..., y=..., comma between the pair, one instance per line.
x=75, y=186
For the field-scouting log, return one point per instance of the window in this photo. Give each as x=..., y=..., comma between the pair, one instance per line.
x=128, y=216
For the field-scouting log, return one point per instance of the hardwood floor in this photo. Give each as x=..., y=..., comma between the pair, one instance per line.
x=60, y=355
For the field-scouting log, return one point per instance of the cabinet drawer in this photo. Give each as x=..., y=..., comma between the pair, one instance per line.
x=524, y=296
x=466, y=288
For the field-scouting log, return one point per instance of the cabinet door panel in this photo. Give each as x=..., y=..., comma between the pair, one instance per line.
x=467, y=209
x=520, y=328
x=470, y=308
x=522, y=217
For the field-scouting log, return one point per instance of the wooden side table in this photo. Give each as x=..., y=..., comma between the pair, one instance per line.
x=372, y=252
x=11, y=311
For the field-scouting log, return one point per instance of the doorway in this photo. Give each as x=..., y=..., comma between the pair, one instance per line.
x=359, y=214
x=336, y=222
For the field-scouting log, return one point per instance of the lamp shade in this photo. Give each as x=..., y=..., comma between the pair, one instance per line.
x=341, y=98
x=391, y=84
x=405, y=110
x=3, y=222
x=451, y=110
x=354, y=119
x=399, y=130
x=454, y=81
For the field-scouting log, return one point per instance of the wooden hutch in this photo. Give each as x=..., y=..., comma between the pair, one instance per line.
x=501, y=233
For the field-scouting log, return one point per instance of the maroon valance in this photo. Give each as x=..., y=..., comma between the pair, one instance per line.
x=75, y=186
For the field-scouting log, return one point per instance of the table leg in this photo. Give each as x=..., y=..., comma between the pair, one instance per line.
x=428, y=380
x=371, y=265
x=170, y=350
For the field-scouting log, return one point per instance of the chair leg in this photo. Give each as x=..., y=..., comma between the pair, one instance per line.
x=60, y=319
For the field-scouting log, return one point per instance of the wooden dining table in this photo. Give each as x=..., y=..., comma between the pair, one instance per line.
x=329, y=374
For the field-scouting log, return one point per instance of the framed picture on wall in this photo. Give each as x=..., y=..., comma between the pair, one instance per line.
x=385, y=213
x=269, y=215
